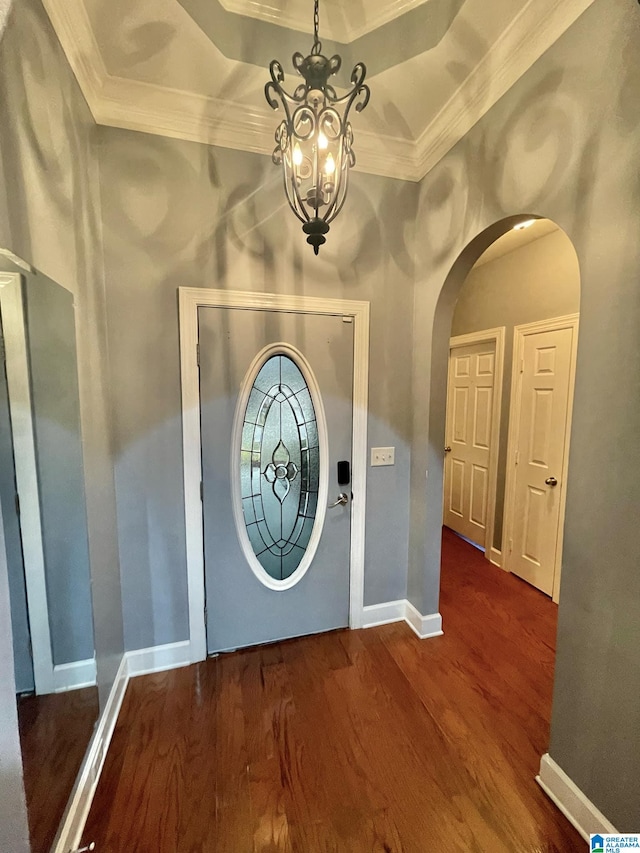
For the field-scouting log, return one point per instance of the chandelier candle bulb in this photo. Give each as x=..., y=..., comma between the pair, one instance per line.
x=315, y=120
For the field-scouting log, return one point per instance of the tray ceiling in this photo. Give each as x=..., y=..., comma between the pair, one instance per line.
x=342, y=21
x=196, y=69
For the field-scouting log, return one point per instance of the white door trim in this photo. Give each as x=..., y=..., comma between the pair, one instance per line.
x=192, y=298
x=24, y=451
x=496, y=336
x=568, y=321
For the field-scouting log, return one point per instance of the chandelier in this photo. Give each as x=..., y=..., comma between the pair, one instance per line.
x=314, y=140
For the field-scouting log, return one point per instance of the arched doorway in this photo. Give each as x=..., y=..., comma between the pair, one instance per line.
x=504, y=630
x=511, y=367
x=427, y=518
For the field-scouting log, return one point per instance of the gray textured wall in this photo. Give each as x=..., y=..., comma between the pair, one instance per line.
x=537, y=281
x=53, y=370
x=176, y=214
x=563, y=143
x=50, y=216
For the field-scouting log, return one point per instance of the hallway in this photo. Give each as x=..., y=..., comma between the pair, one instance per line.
x=350, y=741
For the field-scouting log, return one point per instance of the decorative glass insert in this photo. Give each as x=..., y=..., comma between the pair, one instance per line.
x=279, y=466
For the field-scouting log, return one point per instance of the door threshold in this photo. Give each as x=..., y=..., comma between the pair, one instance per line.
x=277, y=640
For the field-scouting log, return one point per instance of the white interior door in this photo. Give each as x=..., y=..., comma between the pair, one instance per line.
x=470, y=398
x=540, y=417
x=276, y=418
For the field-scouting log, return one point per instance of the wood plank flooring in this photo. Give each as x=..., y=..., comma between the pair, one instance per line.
x=358, y=741
x=54, y=734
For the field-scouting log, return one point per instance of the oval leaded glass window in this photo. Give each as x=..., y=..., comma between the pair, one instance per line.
x=280, y=466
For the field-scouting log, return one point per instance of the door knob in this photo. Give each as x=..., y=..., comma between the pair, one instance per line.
x=342, y=501
x=447, y=449
x=551, y=481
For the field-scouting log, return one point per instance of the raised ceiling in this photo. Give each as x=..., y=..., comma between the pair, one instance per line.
x=196, y=69
x=516, y=239
x=342, y=21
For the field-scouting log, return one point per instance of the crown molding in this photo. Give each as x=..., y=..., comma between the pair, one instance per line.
x=5, y=8
x=145, y=107
x=279, y=12
x=151, y=108
x=75, y=33
x=538, y=25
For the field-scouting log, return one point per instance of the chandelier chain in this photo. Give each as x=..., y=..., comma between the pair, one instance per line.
x=317, y=44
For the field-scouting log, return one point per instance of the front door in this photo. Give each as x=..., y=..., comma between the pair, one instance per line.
x=541, y=444
x=468, y=440
x=276, y=419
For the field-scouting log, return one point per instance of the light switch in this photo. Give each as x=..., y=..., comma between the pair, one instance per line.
x=383, y=456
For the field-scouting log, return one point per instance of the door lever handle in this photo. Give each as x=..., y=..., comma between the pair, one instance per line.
x=342, y=501
x=551, y=481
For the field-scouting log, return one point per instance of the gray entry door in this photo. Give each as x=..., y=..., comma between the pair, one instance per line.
x=275, y=447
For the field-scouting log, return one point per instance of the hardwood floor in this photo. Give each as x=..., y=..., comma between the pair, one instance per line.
x=350, y=741
x=54, y=734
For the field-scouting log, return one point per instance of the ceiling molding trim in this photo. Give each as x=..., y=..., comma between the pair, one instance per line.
x=536, y=27
x=146, y=107
x=385, y=156
x=135, y=105
x=75, y=33
x=163, y=111
x=5, y=8
x=379, y=12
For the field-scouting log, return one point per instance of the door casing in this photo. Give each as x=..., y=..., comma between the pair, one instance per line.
x=569, y=321
x=20, y=404
x=496, y=337
x=48, y=677
x=189, y=300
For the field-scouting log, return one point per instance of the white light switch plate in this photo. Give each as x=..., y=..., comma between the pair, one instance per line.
x=383, y=456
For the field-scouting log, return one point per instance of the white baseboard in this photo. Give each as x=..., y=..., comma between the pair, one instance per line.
x=403, y=610
x=573, y=804
x=82, y=673
x=384, y=614
x=73, y=676
x=495, y=557
x=423, y=626
x=159, y=658
x=138, y=662
x=75, y=816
